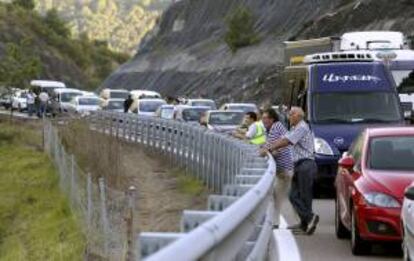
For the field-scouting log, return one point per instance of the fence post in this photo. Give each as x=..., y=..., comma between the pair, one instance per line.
x=89, y=202
x=104, y=217
x=130, y=224
x=72, y=178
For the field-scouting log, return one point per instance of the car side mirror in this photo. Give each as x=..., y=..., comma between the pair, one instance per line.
x=347, y=163
x=409, y=193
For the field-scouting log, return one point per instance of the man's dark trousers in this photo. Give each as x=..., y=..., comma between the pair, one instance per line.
x=301, y=193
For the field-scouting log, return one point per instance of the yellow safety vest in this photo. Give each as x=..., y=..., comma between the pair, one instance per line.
x=260, y=137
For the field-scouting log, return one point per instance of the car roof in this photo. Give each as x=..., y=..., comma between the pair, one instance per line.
x=147, y=100
x=188, y=107
x=390, y=131
x=221, y=111
x=117, y=90
x=240, y=104
x=60, y=90
x=87, y=96
x=166, y=105
x=47, y=84
x=200, y=100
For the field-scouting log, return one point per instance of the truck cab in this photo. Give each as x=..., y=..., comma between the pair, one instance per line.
x=341, y=95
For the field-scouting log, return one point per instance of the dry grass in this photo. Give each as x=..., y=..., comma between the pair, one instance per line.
x=163, y=191
x=95, y=153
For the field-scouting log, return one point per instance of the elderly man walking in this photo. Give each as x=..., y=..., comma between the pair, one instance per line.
x=301, y=194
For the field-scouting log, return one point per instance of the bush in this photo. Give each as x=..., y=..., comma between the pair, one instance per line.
x=26, y=4
x=240, y=31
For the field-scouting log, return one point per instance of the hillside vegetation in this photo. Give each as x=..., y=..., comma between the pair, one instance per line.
x=54, y=53
x=36, y=222
x=122, y=23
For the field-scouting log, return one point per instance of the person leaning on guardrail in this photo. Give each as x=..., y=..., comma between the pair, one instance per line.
x=284, y=160
x=301, y=194
x=255, y=133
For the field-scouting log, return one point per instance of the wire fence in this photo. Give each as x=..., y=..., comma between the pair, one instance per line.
x=101, y=209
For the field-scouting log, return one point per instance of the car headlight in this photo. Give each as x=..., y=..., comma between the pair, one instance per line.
x=322, y=147
x=381, y=200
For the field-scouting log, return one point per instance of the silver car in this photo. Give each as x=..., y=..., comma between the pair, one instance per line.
x=223, y=121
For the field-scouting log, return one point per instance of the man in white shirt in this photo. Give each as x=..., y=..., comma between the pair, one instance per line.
x=31, y=102
x=44, y=98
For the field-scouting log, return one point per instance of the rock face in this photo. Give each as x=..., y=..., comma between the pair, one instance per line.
x=186, y=54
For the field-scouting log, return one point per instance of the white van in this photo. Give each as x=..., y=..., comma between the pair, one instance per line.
x=61, y=98
x=146, y=107
x=114, y=94
x=145, y=94
x=46, y=85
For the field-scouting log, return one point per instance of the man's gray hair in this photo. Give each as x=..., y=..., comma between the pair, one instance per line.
x=299, y=111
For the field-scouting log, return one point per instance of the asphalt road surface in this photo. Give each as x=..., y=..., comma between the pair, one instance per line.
x=324, y=245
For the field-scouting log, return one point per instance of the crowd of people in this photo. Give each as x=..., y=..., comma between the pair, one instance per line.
x=293, y=151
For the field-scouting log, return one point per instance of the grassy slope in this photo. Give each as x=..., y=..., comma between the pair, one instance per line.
x=35, y=219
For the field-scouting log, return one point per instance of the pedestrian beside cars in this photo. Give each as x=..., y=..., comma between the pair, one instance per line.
x=283, y=157
x=301, y=195
x=31, y=102
x=43, y=100
x=256, y=133
x=127, y=103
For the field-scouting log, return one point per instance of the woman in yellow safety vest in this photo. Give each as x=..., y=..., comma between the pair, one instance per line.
x=256, y=133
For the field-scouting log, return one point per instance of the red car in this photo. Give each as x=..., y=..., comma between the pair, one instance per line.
x=370, y=184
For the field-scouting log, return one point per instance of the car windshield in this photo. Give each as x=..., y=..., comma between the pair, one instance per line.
x=167, y=113
x=244, y=108
x=115, y=105
x=23, y=95
x=354, y=107
x=150, y=106
x=209, y=104
x=119, y=95
x=226, y=118
x=67, y=96
x=193, y=114
x=89, y=101
x=404, y=80
x=392, y=153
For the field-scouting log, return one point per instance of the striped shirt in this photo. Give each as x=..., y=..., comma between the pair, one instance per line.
x=284, y=156
x=302, y=139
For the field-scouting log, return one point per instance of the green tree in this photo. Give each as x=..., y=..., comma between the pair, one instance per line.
x=55, y=23
x=240, y=31
x=26, y=4
x=19, y=65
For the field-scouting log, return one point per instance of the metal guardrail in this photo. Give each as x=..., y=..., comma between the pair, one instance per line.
x=238, y=222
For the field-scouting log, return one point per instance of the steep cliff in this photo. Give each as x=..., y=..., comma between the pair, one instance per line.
x=186, y=53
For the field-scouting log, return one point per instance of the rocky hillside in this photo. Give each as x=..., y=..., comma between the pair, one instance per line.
x=54, y=53
x=186, y=53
